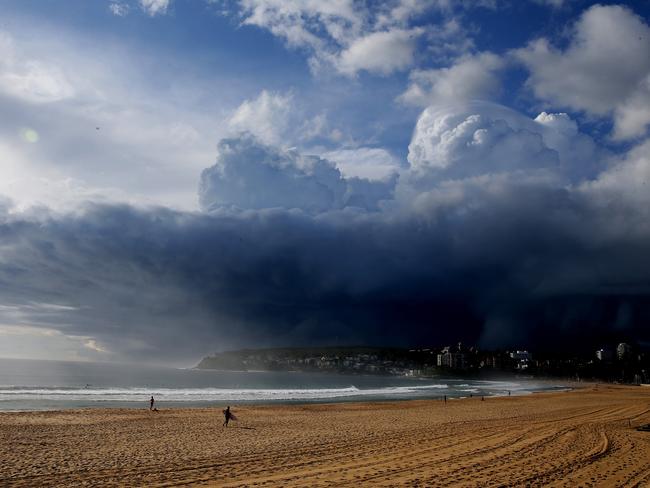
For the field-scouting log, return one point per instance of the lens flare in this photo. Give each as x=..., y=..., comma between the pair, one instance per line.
x=29, y=135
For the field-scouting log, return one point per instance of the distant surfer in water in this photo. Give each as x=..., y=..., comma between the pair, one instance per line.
x=228, y=416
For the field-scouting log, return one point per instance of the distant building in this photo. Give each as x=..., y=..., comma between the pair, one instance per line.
x=521, y=355
x=494, y=361
x=451, y=359
x=604, y=354
x=521, y=359
x=623, y=351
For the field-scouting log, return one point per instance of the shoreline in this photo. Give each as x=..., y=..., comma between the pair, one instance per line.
x=59, y=404
x=284, y=403
x=303, y=404
x=582, y=437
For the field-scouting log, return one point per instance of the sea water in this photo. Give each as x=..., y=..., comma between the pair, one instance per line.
x=49, y=385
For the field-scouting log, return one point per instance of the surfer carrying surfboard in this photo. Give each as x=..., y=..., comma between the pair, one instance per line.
x=228, y=416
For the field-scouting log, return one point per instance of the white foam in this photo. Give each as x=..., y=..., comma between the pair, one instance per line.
x=207, y=394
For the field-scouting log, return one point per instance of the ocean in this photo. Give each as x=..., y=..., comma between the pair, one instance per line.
x=53, y=385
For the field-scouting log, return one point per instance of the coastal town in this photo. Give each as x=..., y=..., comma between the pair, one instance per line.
x=621, y=362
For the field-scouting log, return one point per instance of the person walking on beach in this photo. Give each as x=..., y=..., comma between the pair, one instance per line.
x=151, y=403
x=227, y=416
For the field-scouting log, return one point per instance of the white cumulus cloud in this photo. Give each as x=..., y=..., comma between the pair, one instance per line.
x=459, y=144
x=252, y=175
x=352, y=36
x=604, y=70
x=267, y=116
x=470, y=77
x=275, y=118
x=480, y=138
x=380, y=52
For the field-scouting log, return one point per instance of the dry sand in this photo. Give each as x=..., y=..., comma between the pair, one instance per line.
x=578, y=438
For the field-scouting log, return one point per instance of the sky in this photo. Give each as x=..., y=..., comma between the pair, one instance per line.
x=179, y=177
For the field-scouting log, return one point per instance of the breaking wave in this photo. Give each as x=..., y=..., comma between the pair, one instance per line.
x=209, y=394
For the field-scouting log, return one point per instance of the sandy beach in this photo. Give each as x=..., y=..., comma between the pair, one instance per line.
x=585, y=437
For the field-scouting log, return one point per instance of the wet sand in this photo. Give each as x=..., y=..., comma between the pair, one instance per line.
x=584, y=437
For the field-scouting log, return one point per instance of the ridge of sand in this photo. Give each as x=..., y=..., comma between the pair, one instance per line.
x=585, y=437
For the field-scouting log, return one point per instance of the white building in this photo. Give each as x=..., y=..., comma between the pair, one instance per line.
x=521, y=355
x=450, y=359
x=604, y=355
x=521, y=358
x=623, y=351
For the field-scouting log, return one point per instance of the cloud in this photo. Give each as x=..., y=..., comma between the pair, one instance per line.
x=267, y=117
x=498, y=227
x=28, y=78
x=402, y=11
x=85, y=123
x=94, y=346
x=275, y=118
x=295, y=20
x=379, y=52
x=470, y=77
x=25, y=341
x=625, y=184
x=552, y=3
x=364, y=162
x=604, y=70
x=155, y=7
x=461, y=141
x=493, y=258
x=350, y=36
x=488, y=247
x=119, y=9
x=476, y=138
x=579, y=155
x=251, y=175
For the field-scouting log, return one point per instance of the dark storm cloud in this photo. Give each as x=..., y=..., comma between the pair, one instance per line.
x=155, y=282
x=508, y=258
